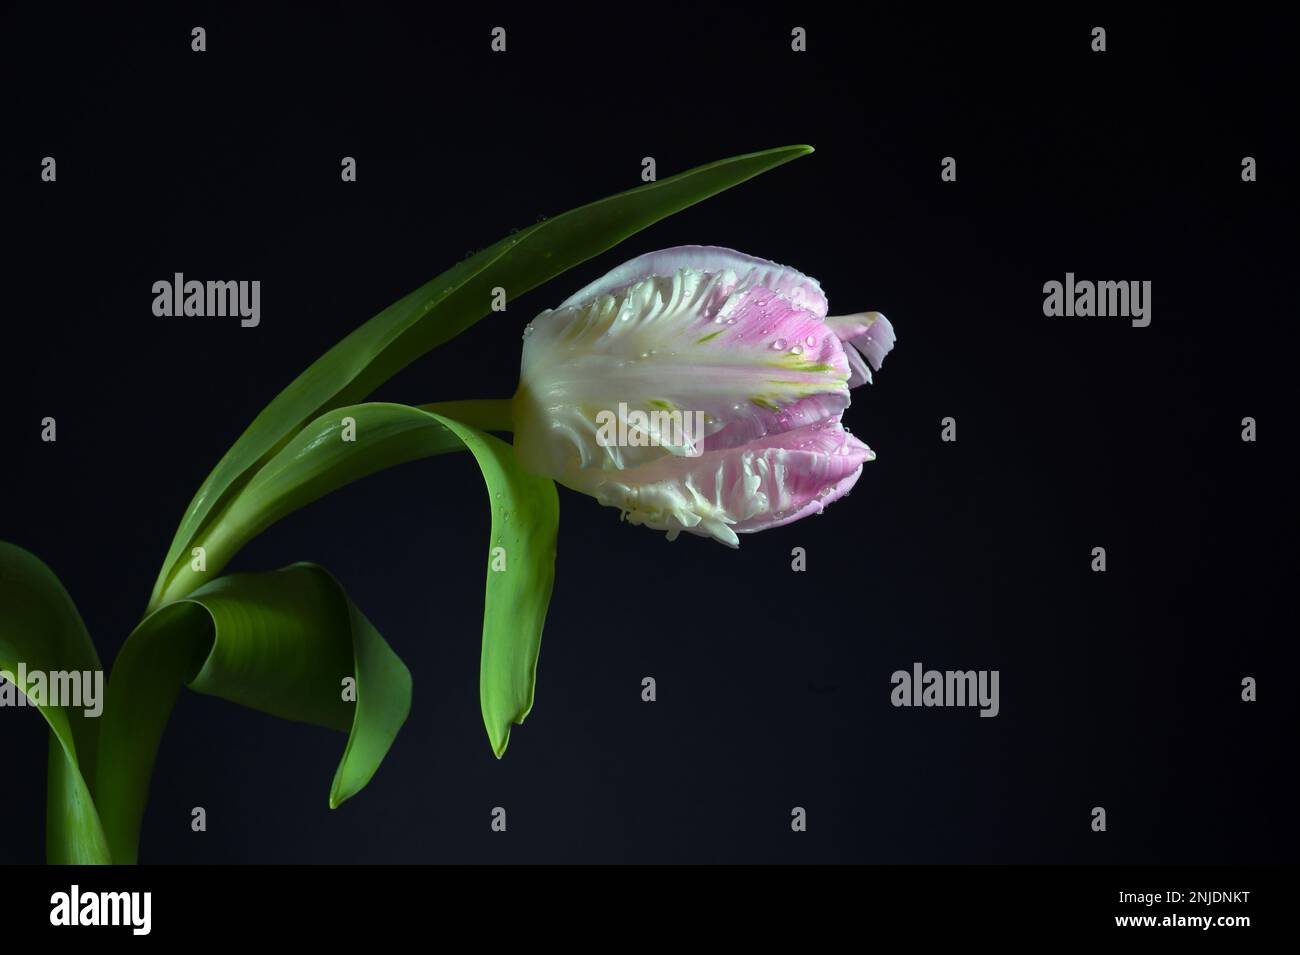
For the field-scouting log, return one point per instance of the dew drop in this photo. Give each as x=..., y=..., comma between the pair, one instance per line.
x=779, y=344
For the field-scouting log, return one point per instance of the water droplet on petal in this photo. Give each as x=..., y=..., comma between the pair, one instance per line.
x=779, y=344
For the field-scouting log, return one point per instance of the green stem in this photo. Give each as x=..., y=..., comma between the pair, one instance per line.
x=486, y=414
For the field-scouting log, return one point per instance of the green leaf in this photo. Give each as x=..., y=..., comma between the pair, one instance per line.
x=521, y=574
x=280, y=642
x=525, y=522
x=317, y=461
x=435, y=313
x=40, y=628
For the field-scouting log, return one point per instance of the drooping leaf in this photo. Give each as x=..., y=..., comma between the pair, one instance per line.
x=41, y=629
x=280, y=642
x=525, y=522
x=318, y=460
x=521, y=574
x=433, y=314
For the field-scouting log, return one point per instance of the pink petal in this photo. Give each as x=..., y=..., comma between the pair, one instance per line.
x=767, y=483
x=871, y=336
x=742, y=356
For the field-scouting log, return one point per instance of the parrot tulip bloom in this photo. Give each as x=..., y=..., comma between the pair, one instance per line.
x=740, y=345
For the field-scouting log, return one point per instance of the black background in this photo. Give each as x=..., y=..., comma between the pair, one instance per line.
x=1119, y=690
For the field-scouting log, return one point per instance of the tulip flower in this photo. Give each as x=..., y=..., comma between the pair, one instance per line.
x=723, y=379
x=694, y=389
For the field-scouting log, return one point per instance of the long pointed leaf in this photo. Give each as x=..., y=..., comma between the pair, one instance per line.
x=521, y=553
x=40, y=627
x=436, y=312
x=521, y=574
x=280, y=642
x=317, y=461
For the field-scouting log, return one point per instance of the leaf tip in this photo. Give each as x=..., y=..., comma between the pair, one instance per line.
x=340, y=791
x=500, y=741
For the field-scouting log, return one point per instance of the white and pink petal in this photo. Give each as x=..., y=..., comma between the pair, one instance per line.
x=868, y=337
x=765, y=484
x=743, y=356
x=800, y=289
